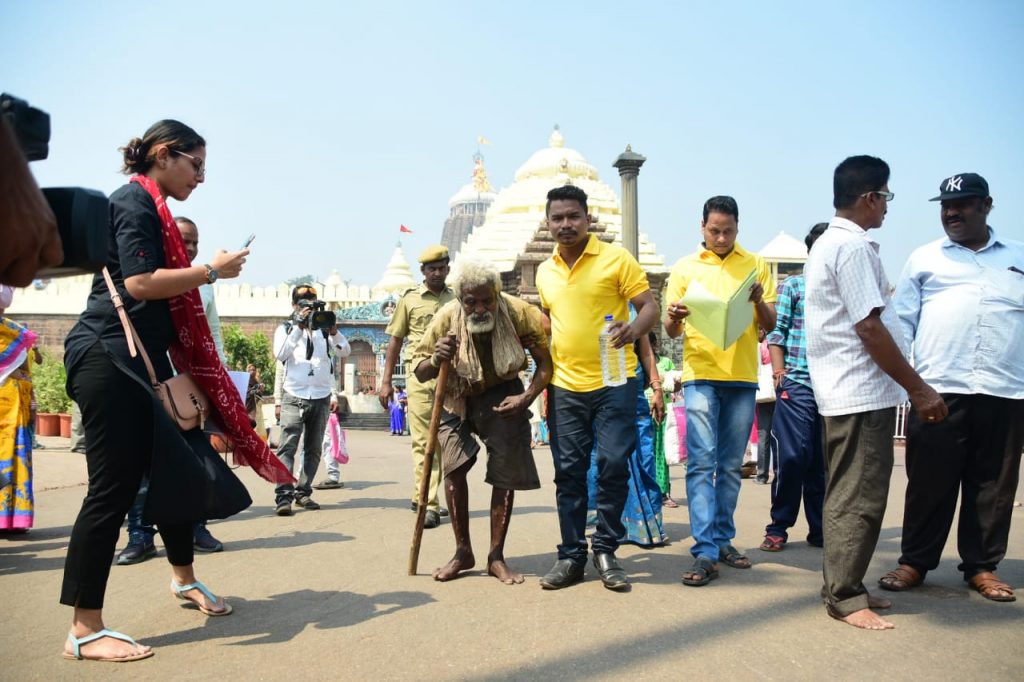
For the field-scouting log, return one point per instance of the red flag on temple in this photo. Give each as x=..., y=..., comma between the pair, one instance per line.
x=403, y=228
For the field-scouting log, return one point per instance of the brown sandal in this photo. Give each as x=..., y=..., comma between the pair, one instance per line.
x=901, y=578
x=991, y=587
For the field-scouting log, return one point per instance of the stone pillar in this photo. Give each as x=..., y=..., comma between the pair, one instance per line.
x=629, y=163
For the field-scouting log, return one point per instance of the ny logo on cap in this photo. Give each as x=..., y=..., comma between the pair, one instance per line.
x=953, y=184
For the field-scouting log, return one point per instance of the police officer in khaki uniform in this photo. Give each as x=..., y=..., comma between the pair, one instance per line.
x=410, y=320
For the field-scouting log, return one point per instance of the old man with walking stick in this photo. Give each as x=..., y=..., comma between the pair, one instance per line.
x=485, y=335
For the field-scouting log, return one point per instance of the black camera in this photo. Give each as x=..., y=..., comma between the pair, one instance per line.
x=83, y=215
x=318, y=318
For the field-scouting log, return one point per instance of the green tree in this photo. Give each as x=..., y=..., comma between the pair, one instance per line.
x=304, y=279
x=243, y=349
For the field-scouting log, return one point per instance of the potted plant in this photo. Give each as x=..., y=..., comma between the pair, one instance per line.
x=52, y=402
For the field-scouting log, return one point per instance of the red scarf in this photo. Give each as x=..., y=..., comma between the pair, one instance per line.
x=194, y=352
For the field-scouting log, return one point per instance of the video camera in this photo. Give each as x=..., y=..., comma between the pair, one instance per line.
x=83, y=215
x=318, y=318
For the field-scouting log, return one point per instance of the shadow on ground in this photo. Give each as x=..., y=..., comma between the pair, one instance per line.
x=283, y=616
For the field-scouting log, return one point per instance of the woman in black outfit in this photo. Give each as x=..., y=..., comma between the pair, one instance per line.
x=128, y=432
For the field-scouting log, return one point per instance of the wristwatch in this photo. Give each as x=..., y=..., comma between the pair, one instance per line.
x=211, y=274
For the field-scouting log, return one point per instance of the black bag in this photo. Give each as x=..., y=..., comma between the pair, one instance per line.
x=189, y=481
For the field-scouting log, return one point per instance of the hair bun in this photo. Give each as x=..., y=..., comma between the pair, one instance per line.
x=133, y=150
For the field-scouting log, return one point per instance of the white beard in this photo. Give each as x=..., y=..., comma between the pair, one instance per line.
x=480, y=326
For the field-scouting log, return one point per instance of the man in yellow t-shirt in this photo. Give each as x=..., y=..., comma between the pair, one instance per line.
x=719, y=385
x=584, y=280
x=484, y=334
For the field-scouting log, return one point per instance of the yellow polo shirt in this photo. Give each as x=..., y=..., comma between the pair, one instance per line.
x=702, y=359
x=601, y=282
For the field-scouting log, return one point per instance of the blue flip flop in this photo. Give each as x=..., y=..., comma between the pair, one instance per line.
x=180, y=590
x=77, y=642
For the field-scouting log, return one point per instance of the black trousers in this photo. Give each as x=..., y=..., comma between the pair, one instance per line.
x=117, y=414
x=975, y=452
x=574, y=421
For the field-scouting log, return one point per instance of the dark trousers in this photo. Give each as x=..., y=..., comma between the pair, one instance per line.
x=976, y=450
x=796, y=443
x=574, y=421
x=306, y=419
x=859, y=454
x=117, y=414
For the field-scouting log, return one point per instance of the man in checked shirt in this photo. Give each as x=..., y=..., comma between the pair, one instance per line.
x=796, y=438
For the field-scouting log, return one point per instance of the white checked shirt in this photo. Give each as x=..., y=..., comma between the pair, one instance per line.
x=845, y=282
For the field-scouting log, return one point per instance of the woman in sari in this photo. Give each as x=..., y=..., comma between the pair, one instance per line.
x=397, y=413
x=128, y=431
x=16, y=499
x=641, y=515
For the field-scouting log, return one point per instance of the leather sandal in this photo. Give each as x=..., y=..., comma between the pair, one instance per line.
x=730, y=556
x=901, y=579
x=991, y=587
x=702, y=572
x=772, y=543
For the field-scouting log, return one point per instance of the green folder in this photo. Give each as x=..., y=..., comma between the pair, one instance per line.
x=721, y=321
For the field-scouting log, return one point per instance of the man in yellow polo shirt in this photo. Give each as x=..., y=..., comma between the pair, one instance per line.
x=584, y=280
x=719, y=385
x=410, y=320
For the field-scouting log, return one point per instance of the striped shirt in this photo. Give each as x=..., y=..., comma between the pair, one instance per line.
x=845, y=283
x=789, y=329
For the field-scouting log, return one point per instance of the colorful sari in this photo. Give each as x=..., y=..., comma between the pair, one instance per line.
x=642, y=514
x=660, y=463
x=16, y=499
x=397, y=414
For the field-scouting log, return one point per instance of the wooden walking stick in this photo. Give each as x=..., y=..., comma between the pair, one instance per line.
x=428, y=464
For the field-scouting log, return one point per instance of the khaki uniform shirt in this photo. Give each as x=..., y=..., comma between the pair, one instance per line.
x=413, y=314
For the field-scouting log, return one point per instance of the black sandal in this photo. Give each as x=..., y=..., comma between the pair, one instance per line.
x=730, y=556
x=704, y=570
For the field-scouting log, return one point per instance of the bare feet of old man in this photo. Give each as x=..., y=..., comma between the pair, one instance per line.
x=497, y=567
x=462, y=561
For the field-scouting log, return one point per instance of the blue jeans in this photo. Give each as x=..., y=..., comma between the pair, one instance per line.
x=718, y=423
x=575, y=420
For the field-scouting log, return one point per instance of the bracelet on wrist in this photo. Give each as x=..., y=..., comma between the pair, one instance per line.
x=434, y=363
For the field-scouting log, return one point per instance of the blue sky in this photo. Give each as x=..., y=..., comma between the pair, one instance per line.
x=329, y=124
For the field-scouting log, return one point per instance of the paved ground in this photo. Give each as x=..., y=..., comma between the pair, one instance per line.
x=325, y=594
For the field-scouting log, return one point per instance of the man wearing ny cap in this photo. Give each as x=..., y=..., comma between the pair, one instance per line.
x=412, y=316
x=960, y=300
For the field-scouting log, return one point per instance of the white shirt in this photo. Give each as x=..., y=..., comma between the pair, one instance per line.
x=310, y=379
x=213, y=319
x=845, y=282
x=964, y=311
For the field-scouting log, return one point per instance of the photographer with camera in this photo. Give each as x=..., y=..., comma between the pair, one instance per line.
x=305, y=344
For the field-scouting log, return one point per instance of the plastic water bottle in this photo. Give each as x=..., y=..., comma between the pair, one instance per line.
x=613, y=360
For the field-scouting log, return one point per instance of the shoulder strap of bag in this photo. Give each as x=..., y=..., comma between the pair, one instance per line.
x=129, y=329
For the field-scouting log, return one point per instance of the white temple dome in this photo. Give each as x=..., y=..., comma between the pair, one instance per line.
x=784, y=247
x=468, y=193
x=397, y=275
x=334, y=280
x=518, y=210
